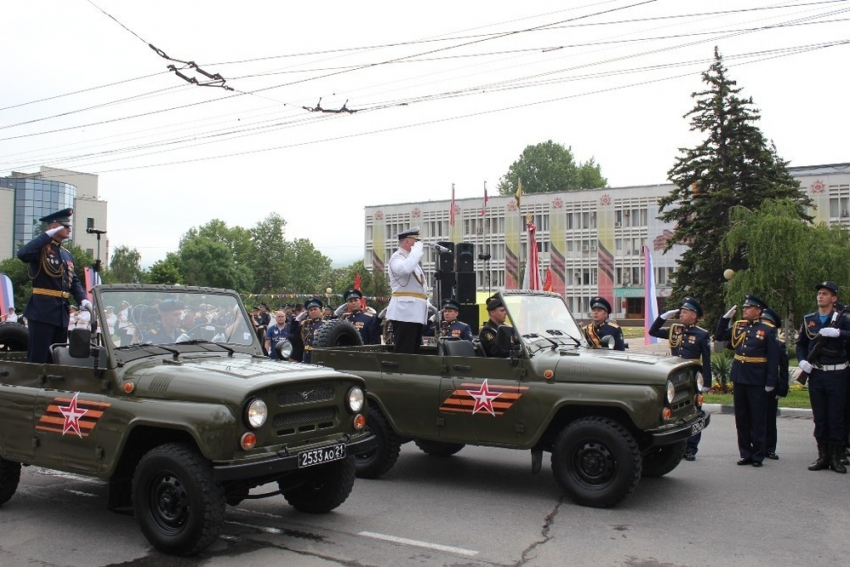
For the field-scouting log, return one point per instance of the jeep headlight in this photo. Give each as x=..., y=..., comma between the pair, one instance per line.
x=700, y=381
x=355, y=399
x=671, y=392
x=256, y=413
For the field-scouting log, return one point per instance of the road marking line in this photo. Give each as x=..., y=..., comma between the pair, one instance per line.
x=266, y=529
x=78, y=493
x=416, y=543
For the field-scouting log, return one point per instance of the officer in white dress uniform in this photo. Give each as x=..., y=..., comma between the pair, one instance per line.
x=408, y=308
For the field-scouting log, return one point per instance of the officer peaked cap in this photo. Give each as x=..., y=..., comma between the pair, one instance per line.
x=352, y=293
x=412, y=232
x=692, y=304
x=59, y=216
x=600, y=302
x=752, y=300
x=315, y=302
x=831, y=286
x=451, y=304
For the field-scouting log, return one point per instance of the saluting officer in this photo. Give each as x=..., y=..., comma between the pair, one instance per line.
x=754, y=371
x=600, y=327
x=408, y=308
x=827, y=375
x=450, y=327
x=51, y=269
x=366, y=324
x=772, y=318
x=687, y=341
x=310, y=326
x=489, y=330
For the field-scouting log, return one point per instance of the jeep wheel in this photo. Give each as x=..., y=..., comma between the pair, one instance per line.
x=382, y=458
x=10, y=475
x=14, y=337
x=327, y=486
x=596, y=461
x=661, y=460
x=438, y=448
x=337, y=332
x=176, y=501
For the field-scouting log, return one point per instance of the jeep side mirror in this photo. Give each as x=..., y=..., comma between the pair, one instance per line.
x=608, y=342
x=79, y=343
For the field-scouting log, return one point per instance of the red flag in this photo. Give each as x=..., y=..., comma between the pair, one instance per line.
x=484, y=207
x=547, y=285
x=357, y=287
x=532, y=261
x=452, y=209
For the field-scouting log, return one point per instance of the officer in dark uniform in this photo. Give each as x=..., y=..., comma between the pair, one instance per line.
x=772, y=318
x=487, y=336
x=687, y=341
x=827, y=375
x=366, y=324
x=450, y=327
x=754, y=371
x=601, y=327
x=51, y=269
x=167, y=329
x=311, y=325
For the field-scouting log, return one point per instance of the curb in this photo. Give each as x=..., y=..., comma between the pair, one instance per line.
x=799, y=413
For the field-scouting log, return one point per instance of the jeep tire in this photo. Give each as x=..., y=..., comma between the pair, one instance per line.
x=381, y=459
x=14, y=337
x=596, y=461
x=438, y=448
x=325, y=487
x=176, y=501
x=662, y=460
x=10, y=475
x=336, y=333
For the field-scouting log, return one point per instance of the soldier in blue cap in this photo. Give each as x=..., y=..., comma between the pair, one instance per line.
x=772, y=318
x=600, y=327
x=450, y=326
x=827, y=375
x=366, y=324
x=687, y=341
x=408, y=308
x=310, y=325
x=754, y=374
x=54, y=281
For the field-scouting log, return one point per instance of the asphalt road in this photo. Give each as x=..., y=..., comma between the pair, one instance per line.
x=480, y=507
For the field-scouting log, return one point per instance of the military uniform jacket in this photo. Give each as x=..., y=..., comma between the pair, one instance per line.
x=596, y=331
x=686, y=341
x=488, y=341
x=50, y=267
x=309, y=328
x=367, y=324
x=456, y=330
x=833, y=351
x=756, y=348
x=410, y=290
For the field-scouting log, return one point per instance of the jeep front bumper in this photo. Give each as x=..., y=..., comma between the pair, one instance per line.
x=681, y=432
x=278, y=465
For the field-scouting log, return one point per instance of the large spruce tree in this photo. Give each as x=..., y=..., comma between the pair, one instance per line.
x=734, y=165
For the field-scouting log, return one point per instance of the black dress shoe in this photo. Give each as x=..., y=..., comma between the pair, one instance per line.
x=771, y=455
x=745, y=461
x=757, y=464
x=690, y=457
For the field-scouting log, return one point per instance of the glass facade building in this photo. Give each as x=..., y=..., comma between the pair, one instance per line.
x=35, y=198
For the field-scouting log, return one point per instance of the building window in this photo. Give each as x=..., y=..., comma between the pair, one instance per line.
x=89, y=223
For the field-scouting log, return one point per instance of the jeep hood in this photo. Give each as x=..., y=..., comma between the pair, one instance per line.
x=614, y=367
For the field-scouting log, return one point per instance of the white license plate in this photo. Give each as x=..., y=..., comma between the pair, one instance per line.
x=697, y=427
x=320, y=456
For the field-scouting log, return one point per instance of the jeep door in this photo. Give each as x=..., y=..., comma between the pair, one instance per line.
x=19, y=386
x=409, y=392
x=66, y=415
x=479, y=399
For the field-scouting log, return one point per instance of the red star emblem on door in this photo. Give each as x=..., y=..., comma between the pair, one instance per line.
x=72, y=416
x=483, y=399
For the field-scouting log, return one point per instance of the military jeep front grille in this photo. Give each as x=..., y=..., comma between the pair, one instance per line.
x=306, y=394
x=310, y=420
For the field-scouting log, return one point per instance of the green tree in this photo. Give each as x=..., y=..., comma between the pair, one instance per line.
x=547, y=167
x=734, y=165
x=268, y=254
x=207, y=262
x=166, y=271
x=305, y=267
x=126, y=266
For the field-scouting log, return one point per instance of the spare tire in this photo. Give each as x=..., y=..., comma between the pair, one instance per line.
x=337, y=332
x=14, y=337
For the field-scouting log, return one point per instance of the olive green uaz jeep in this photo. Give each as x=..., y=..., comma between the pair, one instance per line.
x=606, y=416
x=175, y=405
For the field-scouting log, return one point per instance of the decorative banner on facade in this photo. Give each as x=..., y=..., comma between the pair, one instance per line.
x=379, y=242
x=605, y=246
x=513, y=224
x=7, y=298
x=820, y=196
x=650, y=309
x=558, y=245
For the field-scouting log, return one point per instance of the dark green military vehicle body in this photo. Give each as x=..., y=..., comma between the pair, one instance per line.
x=607, y=417
x=180, y=425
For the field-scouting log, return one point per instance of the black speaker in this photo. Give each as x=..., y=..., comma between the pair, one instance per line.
x=445, y=287
x=447, y=262
x=465, y=257
x=466, y=287
x=470, y=314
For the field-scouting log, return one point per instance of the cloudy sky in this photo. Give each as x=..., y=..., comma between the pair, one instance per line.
x=443, y=92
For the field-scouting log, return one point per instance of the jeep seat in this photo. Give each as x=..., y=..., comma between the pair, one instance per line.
x=454, y=347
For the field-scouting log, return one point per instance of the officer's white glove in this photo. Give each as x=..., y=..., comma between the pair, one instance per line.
x=805, y=366
x=830, y=332
x=86, y=304
x=417, y=247
x=768, y=389
x=731, y=313
x=301, y=316
x=53, y=231
x=341, y=309
x=667, y=314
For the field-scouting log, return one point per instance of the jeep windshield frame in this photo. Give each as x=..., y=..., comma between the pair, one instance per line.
x=195, y=320
x=542, y=320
